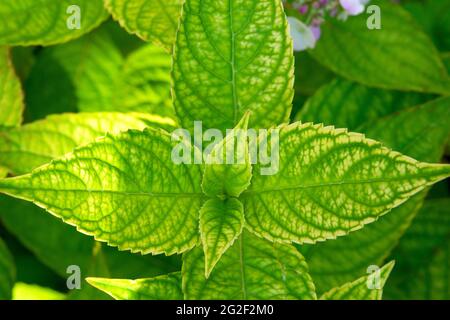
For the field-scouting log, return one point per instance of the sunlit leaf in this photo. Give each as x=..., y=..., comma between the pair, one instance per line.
x=152, y=20
x=420, y=132
x=24, y=291
x=329, y=183
x=230, y=57
x=228, y=170
x=27, y=23
x=359, y=289
x=11, y=97
x=221, y=223
x=25, y=148
x=252, y=268
x=123, y=189
x=166, y=287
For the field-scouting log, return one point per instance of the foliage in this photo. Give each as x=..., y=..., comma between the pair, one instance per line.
x=358, y=149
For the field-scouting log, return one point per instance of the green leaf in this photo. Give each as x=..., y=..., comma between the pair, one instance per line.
x=144, y=83
x=165, y=287
x=420, y=132
x=24, y=23
x=397, y=56
x=152, y=20
x=93, y=63
x=221, y=46
x=330, y=182
x=11, y=97
x=102, y=79
x=346, y=104
x=252, y=269
x=25, y=148
x=433, y=16
x=359, y=289
x=122, y=189
x=221, y=223
x=228, y=170
x=61, y=245
x=423, y=256
x=7, y=272
x=23, y=291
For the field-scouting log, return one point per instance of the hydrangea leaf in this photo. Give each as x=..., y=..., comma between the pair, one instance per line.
x=228, y=170
x=432, y=15
x=25, y=148
x=61, y=245
x=252, y=269
x=165, y=287
x=420, y=132
x=230, y=57
x=7, y=272
x=360, y=289
x=152, y=20
x=11, y=97
x=378, y=57
x=347, y=104
x=24, y=291
x=23, y=23
x=122, y=189
x=144, y=84
x=422, y=271
x=331, y=182
x=221, y=223
x=101, y=79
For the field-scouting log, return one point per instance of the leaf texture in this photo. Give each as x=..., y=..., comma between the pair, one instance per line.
x=347, y=104
x=331, y=182
x=34, y=144
x=423, y=266
x=165, y=287
x=152, y=20
x=122, y=189
x=228, y=170
x=359, y=289
x=61, y=245
x=252, y=269
x=27, y=23
x=230, y=57
x=144, y=83
x=221, y=223
x=378, y=57
x=420, y=132
x=11, y=97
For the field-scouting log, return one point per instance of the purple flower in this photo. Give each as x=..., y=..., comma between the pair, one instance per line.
x=315, y=31
x=353, y=7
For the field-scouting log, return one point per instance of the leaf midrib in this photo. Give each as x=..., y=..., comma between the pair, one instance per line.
x=331, y=184
x=124, y=193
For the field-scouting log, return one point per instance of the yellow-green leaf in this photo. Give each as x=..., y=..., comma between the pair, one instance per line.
x=253, y=269
x=230, y=57
x=152, y=20
x=165, y=287
x=331, y=182
x=365, y=288
x=47, y=22
x=221, y=223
